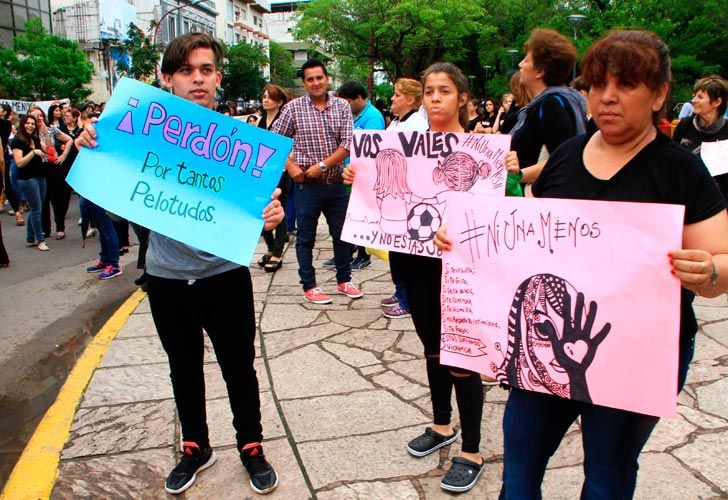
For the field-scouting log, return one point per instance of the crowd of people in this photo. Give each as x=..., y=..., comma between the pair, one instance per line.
x=598, y=140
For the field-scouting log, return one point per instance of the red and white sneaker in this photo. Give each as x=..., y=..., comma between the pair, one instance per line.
x=350, y=290
x=316, y=296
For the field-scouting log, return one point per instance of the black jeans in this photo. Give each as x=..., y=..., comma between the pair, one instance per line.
x=58, y=194
x=223, y=306
x=422, y=277
x=276, y=239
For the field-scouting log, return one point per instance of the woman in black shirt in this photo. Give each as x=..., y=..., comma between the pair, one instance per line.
x=31, y=177
x=273, y=99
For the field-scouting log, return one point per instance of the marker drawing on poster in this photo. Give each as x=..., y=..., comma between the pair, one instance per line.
x=182, y=170
x=404, y=181
x=568, y=297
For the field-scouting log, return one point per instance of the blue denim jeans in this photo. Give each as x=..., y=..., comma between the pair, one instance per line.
x=109, y=254
x=34, y=191
x=534, y=424
x=311, y=201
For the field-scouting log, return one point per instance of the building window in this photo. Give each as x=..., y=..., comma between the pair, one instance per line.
x=255, y=20
x=237, y=15
x=172, y=26
x=186, y=28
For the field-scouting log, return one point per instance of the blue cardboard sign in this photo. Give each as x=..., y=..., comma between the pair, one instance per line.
x=182, y=170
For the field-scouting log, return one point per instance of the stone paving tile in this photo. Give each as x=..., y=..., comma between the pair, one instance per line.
x=662, y=476
x=702, y=456
x=288, y=317
x=708, y=349
x=228, y=480
x=140, y=474
x=134, y=351
x=710, y=314
x=138, y=325
x=128, y=427
x=358, y=413
x=356, y=318
x=395, y=490
x=294, y=375
x=364, y=338
x=717, y=332
x=700, y=419
x=280, y=342
x=711, y=398
x=143, y=307
x=413, y=370
x=128, y=384
x=706, y=371
x=403, y=387
x=668, y=433
x=329, y=461
x=220, y=420
x=352, y=356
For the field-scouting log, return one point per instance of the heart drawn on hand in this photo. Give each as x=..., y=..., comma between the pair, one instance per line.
x=576, y=350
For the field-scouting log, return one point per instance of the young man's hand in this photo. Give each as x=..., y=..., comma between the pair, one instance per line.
x=273, y=213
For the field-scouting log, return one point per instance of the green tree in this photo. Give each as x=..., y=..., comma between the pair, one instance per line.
x=143, y=56
x=242, y=76
x=282, y=71
x=44, y=66
x=400, y=37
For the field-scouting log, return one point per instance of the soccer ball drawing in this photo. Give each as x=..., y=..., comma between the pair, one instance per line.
x=423, y=222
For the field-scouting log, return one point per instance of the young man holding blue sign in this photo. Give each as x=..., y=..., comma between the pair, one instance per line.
x=190, y=289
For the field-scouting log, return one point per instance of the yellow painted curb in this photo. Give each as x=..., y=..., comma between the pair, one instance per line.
x=35, y=473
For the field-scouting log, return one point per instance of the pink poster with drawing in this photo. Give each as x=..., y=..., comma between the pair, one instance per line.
x=569, y=297
x=405, y=181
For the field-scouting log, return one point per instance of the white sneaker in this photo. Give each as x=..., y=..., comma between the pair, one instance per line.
x=43, y=247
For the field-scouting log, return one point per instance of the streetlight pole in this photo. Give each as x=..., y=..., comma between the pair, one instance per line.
x=159, y=23
x=488, y=69
x=512, y=53
x=575, y=20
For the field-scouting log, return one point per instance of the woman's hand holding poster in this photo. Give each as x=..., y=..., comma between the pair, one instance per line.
x=568, y=297
x=405, y=180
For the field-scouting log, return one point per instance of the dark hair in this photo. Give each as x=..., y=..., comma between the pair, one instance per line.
x=177, y=52
x=222, y=108
x=21, y=134
x=458, y=78
x=352, y=90
x=8, y=110
x=716, y=87
x=312, y=63
x=51, y=109
x=632, y=56
x=276, y=93
x=495, y=102
x=551, y=52
x=579, y=83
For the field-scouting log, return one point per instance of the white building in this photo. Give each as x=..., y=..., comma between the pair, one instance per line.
x=243, y=21
x=99, y=25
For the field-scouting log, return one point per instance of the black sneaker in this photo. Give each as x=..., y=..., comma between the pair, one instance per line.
x=430, y=441
x=193, y=461
x=263, y=478
x=361, y=263
x=329, y=264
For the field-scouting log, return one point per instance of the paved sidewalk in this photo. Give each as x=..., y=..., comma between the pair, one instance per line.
x=343, y=389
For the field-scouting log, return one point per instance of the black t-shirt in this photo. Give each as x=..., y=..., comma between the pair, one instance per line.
x=5, y=128
x=32, y=169
x=662, y=172
x=472, y=123
x=547, y=124
x=509, y=119
x=691, y=138
x=487, y=121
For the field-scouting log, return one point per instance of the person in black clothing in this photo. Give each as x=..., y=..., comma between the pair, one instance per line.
x=626, y=159
x=274, y=97
x=6, y=126
x=556, y=112
x=486, y=125
x=708, y=124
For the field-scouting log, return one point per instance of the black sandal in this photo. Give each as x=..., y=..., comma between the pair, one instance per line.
x=265, y=258
x=430, y=441
x=273, y=264
x=462, y=476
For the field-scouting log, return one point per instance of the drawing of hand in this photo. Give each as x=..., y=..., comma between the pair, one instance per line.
x=576, y=348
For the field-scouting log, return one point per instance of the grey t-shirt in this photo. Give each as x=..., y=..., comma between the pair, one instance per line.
x=168, y=258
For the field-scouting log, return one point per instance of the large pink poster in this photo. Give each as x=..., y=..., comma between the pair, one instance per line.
x=569, y=297
x=405, y=181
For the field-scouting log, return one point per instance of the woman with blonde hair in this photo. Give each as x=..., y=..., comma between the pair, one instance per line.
x=406, y=101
